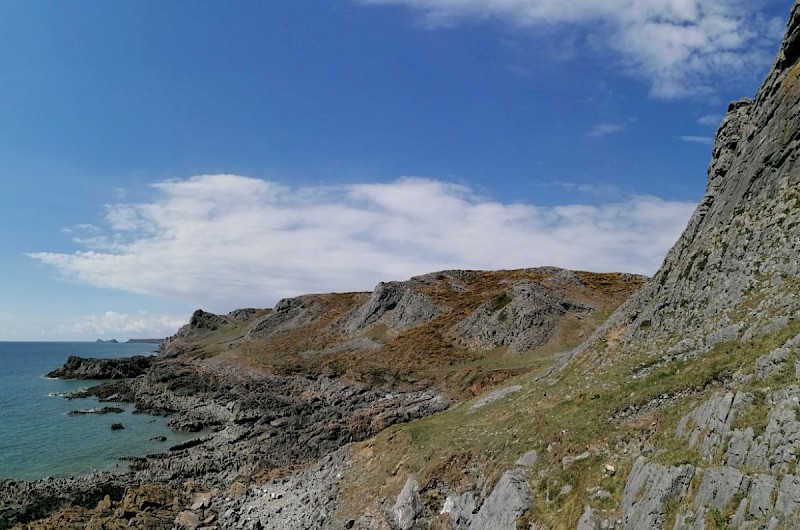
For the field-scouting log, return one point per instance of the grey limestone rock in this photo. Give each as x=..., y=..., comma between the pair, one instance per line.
x=719, y=487
x=707, y=426
x=733, y=271
x=243, y=314
x=522, y=318
x=406, y=512
x=395, y=304
x=494, y=396
x=461, y=509
x=307, y=499
x=739, y=447
x=649, y=489
x=774, y=360
x=762, y=496
x=590, y=519
x=509, y=500
x=568, y=460
x=412, y=309
x=787, y=503
x=777, y=448
x=528, y=459
x=384, y=298
x=288, y=313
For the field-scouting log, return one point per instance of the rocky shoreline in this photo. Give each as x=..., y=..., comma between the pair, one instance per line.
x=249, y=424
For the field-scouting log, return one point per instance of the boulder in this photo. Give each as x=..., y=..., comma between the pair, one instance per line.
x=407, y=509
x=509, y=500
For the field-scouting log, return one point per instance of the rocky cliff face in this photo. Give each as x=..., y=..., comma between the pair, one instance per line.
x=733, y=273
x=728, y=288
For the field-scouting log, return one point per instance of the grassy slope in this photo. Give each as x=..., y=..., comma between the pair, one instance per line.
x=605, y=410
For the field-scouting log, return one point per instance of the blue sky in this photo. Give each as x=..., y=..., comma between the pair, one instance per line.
x=157, y=157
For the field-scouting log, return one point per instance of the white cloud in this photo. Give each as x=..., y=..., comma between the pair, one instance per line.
x=679, y=46
x=122, y=326
x=110, y=324
x=706, y=140
x=224, y=241
x=710, y=120
x=604, y=129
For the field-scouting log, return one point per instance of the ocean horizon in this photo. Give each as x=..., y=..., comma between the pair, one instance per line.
x=38, y=439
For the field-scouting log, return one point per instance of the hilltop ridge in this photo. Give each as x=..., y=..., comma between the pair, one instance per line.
x=419, y=333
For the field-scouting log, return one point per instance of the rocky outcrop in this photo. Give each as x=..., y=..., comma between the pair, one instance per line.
x=522, y=318
x=708, y=425
x=83, y=368
x=750, y=469
x=22, y=501
x=732, y=274
x=649, y=490
x=265, y=421
x=203, y=324
x=100, y=410
x=406, y=512
x=509, y=500
x=150, y=506
x=289, y=313
x=506, y=503
x=395, y=304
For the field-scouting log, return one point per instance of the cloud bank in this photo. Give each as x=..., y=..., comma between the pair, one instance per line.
x=226, y=241
x=118, y=325
x=679, y=46
x=109, y=324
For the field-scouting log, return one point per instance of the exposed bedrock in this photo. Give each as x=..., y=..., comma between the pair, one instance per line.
x=85, y=368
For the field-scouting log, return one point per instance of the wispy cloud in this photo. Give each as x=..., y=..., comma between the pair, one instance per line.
x=710, y=120
x=225, y=241
x=706, y=140
x=604, y=129
x=605, y=192
x=679, y=46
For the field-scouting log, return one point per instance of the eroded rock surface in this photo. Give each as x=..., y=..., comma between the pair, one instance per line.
x=84, y=368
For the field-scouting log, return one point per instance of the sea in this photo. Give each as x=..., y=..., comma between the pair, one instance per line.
x=39, y=439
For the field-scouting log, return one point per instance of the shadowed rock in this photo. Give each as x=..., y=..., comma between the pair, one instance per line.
x=84, y=368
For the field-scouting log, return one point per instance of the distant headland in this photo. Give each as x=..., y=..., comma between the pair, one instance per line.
x=131, y=341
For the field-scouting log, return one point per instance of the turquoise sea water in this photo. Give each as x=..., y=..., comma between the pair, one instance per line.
x=38, y=439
